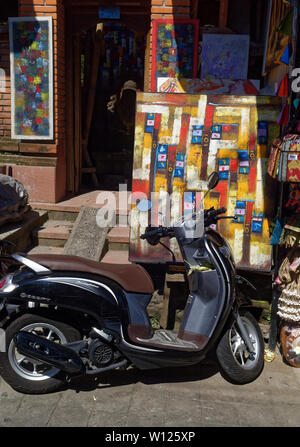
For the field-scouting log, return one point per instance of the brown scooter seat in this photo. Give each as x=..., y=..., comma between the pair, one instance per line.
x=132, y=277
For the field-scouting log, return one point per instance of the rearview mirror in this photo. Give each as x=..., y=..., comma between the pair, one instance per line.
x=213, y=180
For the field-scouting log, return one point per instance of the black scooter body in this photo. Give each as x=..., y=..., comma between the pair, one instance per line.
x=208, y=307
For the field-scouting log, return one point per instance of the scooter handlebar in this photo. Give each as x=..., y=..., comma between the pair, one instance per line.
x=153, y=235
x=150, y=233
x=220, y=211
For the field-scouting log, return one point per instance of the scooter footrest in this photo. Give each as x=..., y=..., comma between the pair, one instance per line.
x=168, y=339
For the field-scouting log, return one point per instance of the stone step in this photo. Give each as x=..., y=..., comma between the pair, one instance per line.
x=54, y=233
x=116, y=257
x=118, y=238
x=45, y=250
x=58, y=214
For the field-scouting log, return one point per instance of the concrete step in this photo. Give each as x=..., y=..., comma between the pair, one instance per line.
x=118, y=238
x=54, y=233
x=59, y=214
x=116, y=257
x=45, y=250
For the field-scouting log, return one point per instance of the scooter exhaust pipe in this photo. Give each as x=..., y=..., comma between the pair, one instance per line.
x=48, y=352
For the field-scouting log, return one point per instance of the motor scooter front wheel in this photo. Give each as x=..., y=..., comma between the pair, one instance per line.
x=25, y=374
x=236, y=363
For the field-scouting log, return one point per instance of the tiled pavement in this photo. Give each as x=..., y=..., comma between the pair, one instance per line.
x=183, y=397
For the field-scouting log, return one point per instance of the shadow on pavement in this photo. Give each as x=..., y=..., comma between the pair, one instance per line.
x=116, y=378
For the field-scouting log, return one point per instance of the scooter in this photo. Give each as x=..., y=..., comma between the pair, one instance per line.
x=64, y=316
x=7, y=263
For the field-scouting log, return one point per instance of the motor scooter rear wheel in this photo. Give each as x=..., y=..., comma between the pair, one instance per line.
x=236, y=363
x=24, y=374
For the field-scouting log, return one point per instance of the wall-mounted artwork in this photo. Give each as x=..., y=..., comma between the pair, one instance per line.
x=179, y=140
x=225, y=56
x=208, y=86
x=174, y=49
x=31, y=77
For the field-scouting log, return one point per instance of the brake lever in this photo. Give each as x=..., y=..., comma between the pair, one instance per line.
x=226, y=217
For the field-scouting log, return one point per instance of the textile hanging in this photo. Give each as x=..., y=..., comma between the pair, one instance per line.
x=288, y=282
x=284, y=159
x=279, y=33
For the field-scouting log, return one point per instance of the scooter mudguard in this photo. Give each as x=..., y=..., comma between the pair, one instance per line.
x=104, y=300
x=98, y=297
x=111, y=307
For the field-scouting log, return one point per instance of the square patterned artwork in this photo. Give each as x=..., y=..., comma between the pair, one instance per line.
x=179, y=140
x=31, y=77
x=174, y=49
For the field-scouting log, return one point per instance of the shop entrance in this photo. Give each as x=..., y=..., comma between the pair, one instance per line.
x=111, y=75
x=105, y=65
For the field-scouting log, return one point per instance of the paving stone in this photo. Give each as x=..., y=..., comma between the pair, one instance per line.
x=138, y=419
x=100, y=418
x=216, y=413
x=287, y=414
x=32, y=411
x=183, y=412
x=108, y=400
x=261, y=414
x=70, y=414
x=173, y=397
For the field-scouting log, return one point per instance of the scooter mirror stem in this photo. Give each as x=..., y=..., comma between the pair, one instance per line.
x=212, y=182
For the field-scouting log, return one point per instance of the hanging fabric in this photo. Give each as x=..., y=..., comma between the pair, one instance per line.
x=288, y=282
x=284, y=159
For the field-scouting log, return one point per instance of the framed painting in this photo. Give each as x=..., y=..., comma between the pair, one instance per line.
x=174, y=49
x=208, y=86
x=179, y=140
x=225, y=56
x=31, y=62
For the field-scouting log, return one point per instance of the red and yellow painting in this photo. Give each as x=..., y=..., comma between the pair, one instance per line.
x=179, y=140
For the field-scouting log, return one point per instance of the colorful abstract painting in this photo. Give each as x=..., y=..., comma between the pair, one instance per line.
x=31, y=77
x=179, y=140
x=174, y=49
x=225, y=56
x=208, y=86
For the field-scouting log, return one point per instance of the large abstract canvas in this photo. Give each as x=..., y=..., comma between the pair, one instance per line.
x=31, y=77
x=174, y=49
x=179, y=140
x=225, y=56
x=208, y=86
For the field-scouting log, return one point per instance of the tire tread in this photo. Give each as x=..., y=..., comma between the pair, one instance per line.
x=11, y=377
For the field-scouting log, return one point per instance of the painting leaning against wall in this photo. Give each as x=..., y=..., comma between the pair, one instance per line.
x=31, y=77
x=179, y=140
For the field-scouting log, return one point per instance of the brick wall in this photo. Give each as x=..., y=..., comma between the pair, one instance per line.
x=54, y=9
x=31, y=8
x=164, y=9
x=4, y=87
x=52, y=156
x=159, y=9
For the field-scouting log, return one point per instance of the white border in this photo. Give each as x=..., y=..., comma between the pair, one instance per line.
x=11, y=20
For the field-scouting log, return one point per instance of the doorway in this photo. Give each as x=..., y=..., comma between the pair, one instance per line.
x=106, y=68
x=112, y=70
